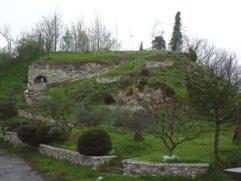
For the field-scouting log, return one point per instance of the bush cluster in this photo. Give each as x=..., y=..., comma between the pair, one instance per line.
x=144, y=71
x=35, y=134
x=27, y=134
x=86, y=118
x=192, y=55
x=95, y=142
x=7, y=108
x=109, y=99
x=57, y=134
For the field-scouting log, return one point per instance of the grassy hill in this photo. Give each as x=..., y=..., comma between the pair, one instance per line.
x=132, y=82
x=90, y=92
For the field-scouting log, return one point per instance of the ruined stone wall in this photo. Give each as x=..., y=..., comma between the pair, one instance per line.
x=11, y=137
x=57, y=73
x=25, y=114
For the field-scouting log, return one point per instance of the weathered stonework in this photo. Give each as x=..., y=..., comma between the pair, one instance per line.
x=28, y=115
x=41, y=75
x=144, y=168
x=108, y=80
x=74, y=157
x=11, y=137
x=154, y=64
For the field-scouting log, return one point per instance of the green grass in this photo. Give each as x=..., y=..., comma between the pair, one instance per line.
x=13, y=78
x=98, y=57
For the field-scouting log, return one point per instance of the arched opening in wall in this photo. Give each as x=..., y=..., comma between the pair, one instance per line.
x=40, y=79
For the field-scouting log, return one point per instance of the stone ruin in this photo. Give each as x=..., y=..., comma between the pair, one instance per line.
x=42, y=76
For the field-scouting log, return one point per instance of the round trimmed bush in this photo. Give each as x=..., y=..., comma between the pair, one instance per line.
x=94, y=142
x=34, y=135
x=27, y=134
x=42, y=134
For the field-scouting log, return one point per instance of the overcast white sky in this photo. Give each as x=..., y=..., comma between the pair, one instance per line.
x=215, y=20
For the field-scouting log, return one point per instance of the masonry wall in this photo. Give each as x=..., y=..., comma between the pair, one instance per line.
x=74, y=157
x=59, y=153
x=28, y=115
x=11, y=137
x=144, y=168
x=61, y=72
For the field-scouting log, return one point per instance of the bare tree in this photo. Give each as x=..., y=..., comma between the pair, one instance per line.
x=100, y=38
x=67, y=40
x=57, y=27
x=219, y=61
x=80, y=36
x=175, y=126
x=222, y=63
x=46, y=27
x=196, y=44
x=5, y=31
x=48, y=31
x=172, y=122
x=38, y=34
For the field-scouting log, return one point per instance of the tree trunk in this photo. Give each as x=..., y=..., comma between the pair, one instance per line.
x=170, y=152
x=216, y=141
x=138, y=136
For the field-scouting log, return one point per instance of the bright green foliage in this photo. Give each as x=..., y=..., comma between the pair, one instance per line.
x=192, y=55
x=176, y=40
x=213, y=97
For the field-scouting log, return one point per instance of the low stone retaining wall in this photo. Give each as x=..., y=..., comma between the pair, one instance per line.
x=28, y=115
x=131, y=167
x=11, y=137
x=144, y=168
x=59, y=153
x=74, y=157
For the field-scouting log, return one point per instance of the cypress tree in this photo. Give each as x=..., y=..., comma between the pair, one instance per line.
x=141, y=47
x=176, y=40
